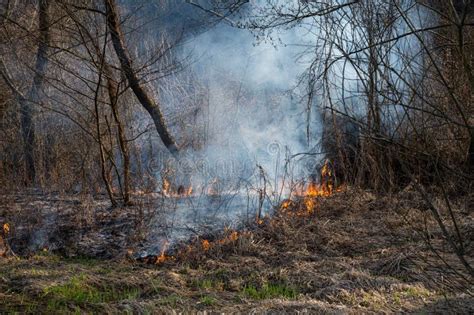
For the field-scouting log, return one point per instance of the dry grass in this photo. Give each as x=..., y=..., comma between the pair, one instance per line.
x=355, y=254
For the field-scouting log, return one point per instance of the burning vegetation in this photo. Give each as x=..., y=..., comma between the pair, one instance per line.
x=171, y=138
x=194, y=248
x=303, y=202
x=304, y=199
x=169, y=191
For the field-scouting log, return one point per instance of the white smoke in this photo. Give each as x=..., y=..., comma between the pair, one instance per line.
x=255, y=120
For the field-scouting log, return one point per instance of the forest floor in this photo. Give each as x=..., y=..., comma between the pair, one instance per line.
x=357, y=253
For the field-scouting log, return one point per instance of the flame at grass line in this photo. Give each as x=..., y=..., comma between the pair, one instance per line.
x=306, y=192
x=306, y=195
x=206, y=245
x=168, y=191
x=6, y=228
x=302, y=202
x=230, y=238
x=166, y=186
x=203, y=245
x=163, y=257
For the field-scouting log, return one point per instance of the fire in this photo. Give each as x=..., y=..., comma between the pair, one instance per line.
x=310, y=203
x=324, y=189
x=302, y=202
x=166, y=187
x=189, y=192
x=286, y=203
x=313, y=190
x=327, y=181
x=6, y=228
x=234, y=236
x=307, y=194
x=206, y=245
x=163, y=257
x=169, y=191
x=230, y=238
x=308, y=198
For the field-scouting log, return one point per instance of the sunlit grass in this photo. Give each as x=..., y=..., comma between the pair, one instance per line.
x=270, y=291
x=78, y=292
x=207, y=300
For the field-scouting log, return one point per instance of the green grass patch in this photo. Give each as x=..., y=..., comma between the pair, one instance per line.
x=77, y=292
x=207, y=300
x=205, y=284
x=412, y=292
x=208, y=284
x=270, y=291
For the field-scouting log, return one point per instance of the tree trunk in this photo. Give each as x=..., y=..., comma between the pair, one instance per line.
x=112, y=91
x=104, y=174
x=143, y=95
x=26, y=110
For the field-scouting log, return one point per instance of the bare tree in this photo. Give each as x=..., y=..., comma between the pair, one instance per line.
x=33, y=95
x=143, y=95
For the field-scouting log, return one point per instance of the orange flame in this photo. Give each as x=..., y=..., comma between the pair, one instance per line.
x=166, y=186
x=206, y=245
x=327, y=178
x=286, y=204
x=162, y=258
x=308, y=194
x=234, y=236
x=189, y=191
x=169, y=191
x=6, y=228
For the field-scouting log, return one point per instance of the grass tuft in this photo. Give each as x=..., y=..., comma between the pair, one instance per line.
x=270, y=291
x=172, y=300
x=208, y=300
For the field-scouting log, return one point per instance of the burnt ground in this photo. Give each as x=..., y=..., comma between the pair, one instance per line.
x=357, y=253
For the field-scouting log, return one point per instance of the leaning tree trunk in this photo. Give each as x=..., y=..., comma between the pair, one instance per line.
x=143, y=95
